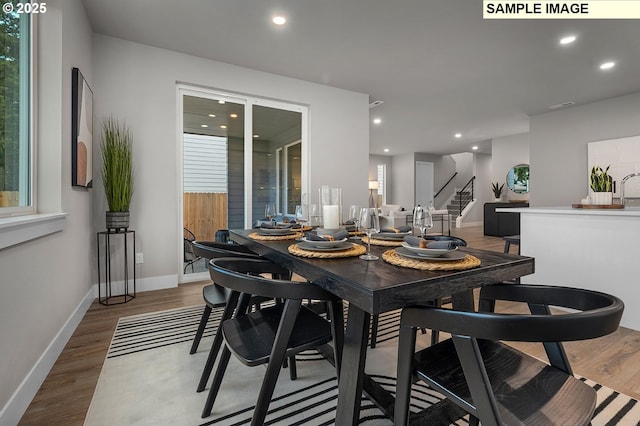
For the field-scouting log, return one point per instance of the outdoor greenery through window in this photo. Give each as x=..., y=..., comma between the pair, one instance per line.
x=15, y=113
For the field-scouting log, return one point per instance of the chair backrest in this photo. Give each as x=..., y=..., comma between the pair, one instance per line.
x=242, y=275
x=215, y=250
x=598, y=314
x=188, y=238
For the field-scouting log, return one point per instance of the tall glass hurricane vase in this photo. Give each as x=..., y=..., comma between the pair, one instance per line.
x=369, y=224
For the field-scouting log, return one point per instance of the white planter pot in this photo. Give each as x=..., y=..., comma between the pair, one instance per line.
x=602, y=198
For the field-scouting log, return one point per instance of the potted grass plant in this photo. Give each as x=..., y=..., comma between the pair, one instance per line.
x=117, y=172
x=600, y=183
x=497, y=190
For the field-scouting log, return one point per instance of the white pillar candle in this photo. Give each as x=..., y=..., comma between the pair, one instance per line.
x=331, y=217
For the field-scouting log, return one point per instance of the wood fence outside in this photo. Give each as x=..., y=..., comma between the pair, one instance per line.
x=8, y=198
x=205, y=213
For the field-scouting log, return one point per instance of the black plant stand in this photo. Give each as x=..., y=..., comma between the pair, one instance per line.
x=108, y=298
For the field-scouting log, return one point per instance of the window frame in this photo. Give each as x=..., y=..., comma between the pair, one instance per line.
x=30, y=143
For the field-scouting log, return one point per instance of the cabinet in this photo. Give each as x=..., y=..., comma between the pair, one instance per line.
x=501, y=224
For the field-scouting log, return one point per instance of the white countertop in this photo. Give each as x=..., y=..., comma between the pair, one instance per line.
x=627, y=211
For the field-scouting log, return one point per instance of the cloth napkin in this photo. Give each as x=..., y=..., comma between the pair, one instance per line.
x=336, y=236
x=398, y=230
x=439, y=245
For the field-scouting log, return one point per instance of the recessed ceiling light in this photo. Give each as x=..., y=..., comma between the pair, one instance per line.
x=386, y=150
x=223, y=126
x=234, y=115
x=256, y=136
x=568, y=39
x=279, y=20
x=204, y=125
x=221, y=101
x=212, y=115
x=458, y=135
x=375, y=104
x=475, y=147
x=607, y=65
x=562, y=105
x=377, y=120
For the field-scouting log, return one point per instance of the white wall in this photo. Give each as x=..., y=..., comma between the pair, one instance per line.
x=558, y=146
x=507, y=152
x=137, y=83
x=45, y=280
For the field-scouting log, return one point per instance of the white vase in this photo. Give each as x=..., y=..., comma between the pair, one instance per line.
x=602, y=198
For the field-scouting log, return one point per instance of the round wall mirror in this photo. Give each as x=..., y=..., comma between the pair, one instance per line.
x=518, y=179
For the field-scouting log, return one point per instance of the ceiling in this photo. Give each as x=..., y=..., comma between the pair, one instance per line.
x=439, y=68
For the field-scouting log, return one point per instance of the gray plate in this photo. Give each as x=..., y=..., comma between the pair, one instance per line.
x=390, y=236
x=452, y=255
x=309, y=247
x=280, y=232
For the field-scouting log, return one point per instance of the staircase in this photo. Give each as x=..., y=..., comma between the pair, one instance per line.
x=454, y=206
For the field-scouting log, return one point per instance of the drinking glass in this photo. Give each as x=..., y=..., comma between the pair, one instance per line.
x=422, y=219
x=370, y=224
x=300, y=215
x=314, y=216
x=270, y=211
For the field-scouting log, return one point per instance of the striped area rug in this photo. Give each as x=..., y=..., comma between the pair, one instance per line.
x=149, y=378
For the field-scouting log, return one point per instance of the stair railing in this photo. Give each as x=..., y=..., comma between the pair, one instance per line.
x=445, y=185
x=463, y=203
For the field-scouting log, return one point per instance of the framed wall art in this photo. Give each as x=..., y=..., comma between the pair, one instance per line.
x=81, y=131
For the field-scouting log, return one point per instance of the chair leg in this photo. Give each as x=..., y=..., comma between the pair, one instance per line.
x=217, y=341
x=473, y=421
x=507, y=246
x=406, y=347
x=211, y=360
x=217, y=381
x=278, y=354
x=293, y=370
x=374, y=330
x=203, y=324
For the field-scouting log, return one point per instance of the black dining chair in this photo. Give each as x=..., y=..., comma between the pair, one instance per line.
x=494, y=382
x=271, y=334
x=189, y=257
x=214, y=296
x=435, y=335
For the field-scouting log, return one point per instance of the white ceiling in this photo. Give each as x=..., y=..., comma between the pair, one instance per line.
x=437, y=65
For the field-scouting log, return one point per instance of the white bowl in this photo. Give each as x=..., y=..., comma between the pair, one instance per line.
x=426, y=252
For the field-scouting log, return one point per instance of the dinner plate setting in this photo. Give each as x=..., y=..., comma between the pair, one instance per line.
x=434, y=255
x=325, y=246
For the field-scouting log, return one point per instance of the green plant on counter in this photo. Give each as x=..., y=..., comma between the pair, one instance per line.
x=497, y=189
x=117, y=165
x=600, y=180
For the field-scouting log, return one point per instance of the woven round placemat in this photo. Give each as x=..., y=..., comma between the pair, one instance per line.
x=355, y=250
x=385, y=243
x=394, y=258
x=256, y=236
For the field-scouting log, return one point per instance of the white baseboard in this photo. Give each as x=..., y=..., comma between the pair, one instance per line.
x=15, y=408
x=142, y=284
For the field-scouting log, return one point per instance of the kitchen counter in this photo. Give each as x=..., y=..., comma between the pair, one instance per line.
x=596, y=249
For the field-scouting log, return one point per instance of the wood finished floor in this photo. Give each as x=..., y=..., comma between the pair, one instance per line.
x=66, y=393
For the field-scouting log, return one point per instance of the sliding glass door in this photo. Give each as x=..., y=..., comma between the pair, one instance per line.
x=238, y=155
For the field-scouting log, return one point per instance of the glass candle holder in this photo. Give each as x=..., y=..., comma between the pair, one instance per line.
x=330, y=206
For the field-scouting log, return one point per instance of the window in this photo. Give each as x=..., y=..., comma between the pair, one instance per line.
x=381, y=177
x=16, y=150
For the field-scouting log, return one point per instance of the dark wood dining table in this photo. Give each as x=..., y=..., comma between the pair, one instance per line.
x=374, y=287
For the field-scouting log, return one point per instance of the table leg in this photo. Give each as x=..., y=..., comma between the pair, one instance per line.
x=354, y=355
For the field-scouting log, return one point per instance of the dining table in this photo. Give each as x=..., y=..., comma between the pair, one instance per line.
x=375, y=287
